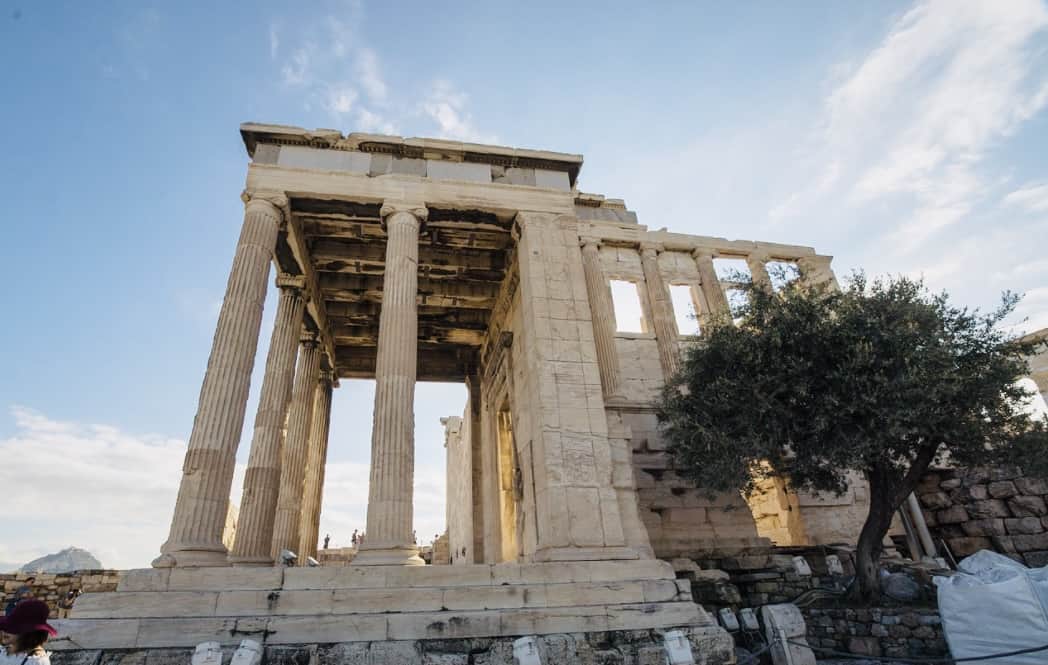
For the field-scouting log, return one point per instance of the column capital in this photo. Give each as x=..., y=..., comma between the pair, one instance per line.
x=586, y=241
x=328, y=376
x=291, y=282
x=309, y=339
x=415, y=209
x=704, y=253
x=651, y=246
x=272, y=198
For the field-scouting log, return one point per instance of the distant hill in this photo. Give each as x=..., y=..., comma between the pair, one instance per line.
x=66, y=561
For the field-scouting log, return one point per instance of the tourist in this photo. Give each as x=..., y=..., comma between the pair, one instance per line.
x=24, y=592
x=25, y=630
x=327, y=539
x=66, y=604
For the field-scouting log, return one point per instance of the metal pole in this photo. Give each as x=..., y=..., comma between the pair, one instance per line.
x=921, y=525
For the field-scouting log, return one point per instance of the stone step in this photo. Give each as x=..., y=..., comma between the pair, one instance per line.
x=386, y=577
x=293, y=602
x=113, y=633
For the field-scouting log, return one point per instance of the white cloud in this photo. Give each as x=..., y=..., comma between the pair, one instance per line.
x=368, y=71
x=274, y=40
x=446, y=106
x=915, y=120
x=112, y=492
x=373, y=122
x=1032, y=198
x=296, y=71
x=341, y=99
x=92, y=486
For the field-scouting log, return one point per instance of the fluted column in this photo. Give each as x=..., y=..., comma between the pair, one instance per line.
x=293, y=456
x=390, y=491
x=666, y=333
x=758, y=270
x=316, y=461
x=602, y=313
x=816, y=270
x=258, y=505
x=710, y=284
x=200, y=511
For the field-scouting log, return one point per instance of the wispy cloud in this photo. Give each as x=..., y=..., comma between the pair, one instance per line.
x=274, y=40
x=446, y=106
x=315, y=71
x=1032, y=198
x=912, y=123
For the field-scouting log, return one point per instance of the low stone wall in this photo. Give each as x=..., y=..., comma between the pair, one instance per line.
x=53, y=587
x=996, y=509
x=637, y=647
x=895, y=632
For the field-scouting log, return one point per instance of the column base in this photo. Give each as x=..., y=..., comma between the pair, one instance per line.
x=250, y=561
x=192, y=558
x=390, y=556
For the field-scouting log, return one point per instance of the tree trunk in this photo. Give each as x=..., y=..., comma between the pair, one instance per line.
x=870, y=545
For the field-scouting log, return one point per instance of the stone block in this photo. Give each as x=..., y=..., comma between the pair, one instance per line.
x=962, y=547
x=1027, y=506
x=516, y=176
x=553, y=620
x=326, y=629
x=443, y=625
x=935, y=500
x=659, y=615
x=438, y=169
x=227, y=578
x=335, y=577
x=266, y=153
x=1032, y=486
x=975, y=476
x=394, y=653
x=408, y=166
x=168, y=632
x=1023, y=525
x=137, y=604
x=1032, y=542
x=494, y=597
x=552, y=180
x=984, y=527
x=144, y=579
x=343, y=653
x=988, y=508
x=950, y=483
x=954, y=515
x=967, y=493
x=1002, y=489
x=864, y=646
x=595, y=593
x=1036, y=559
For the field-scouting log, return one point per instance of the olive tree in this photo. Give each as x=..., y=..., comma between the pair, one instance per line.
x=881, y=378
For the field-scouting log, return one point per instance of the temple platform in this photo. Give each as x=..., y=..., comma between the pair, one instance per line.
x=181, y=607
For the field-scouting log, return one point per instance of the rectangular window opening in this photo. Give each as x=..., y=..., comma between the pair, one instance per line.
x=737, y=301
x=731, y=270
x=782, y=273
x=629, y=316
x=684, y=310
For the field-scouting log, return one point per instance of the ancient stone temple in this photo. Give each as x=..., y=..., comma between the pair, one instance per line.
x=404, y=260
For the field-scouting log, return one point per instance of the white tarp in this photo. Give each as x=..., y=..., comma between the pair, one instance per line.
x=995, y=605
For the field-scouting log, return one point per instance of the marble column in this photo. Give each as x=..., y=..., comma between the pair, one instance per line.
x=293, y=456
x=758, y=270
x=666, y=333
x=199, y=519
x=316, y=462
x=390, y=492
x=710, y=284
x=476, y=443
x=262, y=481
x=816, y=270
x=602, y=312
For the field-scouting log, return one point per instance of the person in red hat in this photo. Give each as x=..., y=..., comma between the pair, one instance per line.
x=25, y=630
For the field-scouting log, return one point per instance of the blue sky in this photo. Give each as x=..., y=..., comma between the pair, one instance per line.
x=898, y=137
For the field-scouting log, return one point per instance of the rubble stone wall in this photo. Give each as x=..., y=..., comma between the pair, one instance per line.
x=53, y=587
x=997, y=509
x=895, y=632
